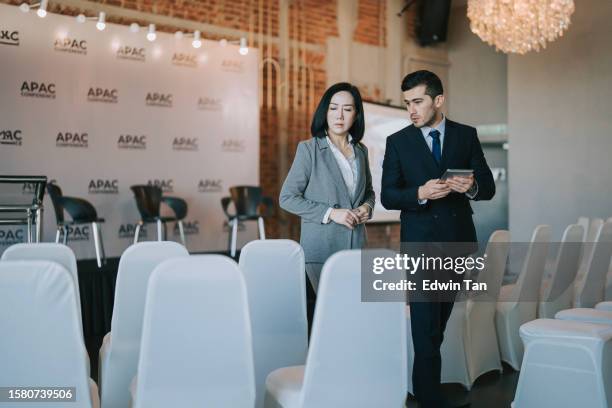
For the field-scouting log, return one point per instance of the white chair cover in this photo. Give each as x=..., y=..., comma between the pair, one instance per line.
x=557, y=292
x=566, y=364
x=589, y=238
x=196, y=338
x=519, y=302
x=46, y=251
x=119, y=351
x=590, y=289
x=357, y=355
x=41, y=342
x=275, y=279
x=604, y=306
x=470, y=346
x=586, y=315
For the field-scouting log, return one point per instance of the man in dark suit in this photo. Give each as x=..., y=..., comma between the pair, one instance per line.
x=432, y=211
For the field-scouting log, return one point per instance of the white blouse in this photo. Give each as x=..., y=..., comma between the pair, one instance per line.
x=349, y=168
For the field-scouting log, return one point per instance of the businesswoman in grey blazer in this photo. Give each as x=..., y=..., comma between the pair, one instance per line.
x=329, y=184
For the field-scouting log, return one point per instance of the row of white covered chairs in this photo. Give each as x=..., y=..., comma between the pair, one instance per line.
x=535, y=296
x=483, y=330
x=568, y=360
x=201, y=330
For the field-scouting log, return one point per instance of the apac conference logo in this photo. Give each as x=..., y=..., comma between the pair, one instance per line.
x=38, y=89
x=8, y=37
x=11, y=137
x=207, y=103
x=189, y=228
x=129, y=230
x=11, y=236
x=185, y=60
x=233, y=145
x=132, y=53
x=106, y=95
x=103, y=186
x=185, y=144
x=232, y=65
x=159, y=99
x=210, y=186
x=70, y=45
x=78, y=232
x=167, y=186
x=132, y=142
x=69, y=139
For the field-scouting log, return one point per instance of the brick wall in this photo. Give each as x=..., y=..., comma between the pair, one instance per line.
x=310, y=21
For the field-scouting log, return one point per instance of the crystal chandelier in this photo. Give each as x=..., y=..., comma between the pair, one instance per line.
x=519, y=26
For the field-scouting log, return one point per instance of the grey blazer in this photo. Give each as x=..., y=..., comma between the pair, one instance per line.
x=314, y=184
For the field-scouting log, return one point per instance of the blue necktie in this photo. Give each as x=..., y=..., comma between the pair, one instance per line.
x=436, y=149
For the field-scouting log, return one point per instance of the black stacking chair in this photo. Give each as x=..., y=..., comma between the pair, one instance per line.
x=148, y=200
x=249, y=205
x=81, y=212
x=179, y=207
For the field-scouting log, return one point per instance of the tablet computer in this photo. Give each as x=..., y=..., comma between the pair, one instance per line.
x=456, y=172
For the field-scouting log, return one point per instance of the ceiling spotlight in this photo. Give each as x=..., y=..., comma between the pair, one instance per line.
x=178, y=35
x=223, y=42
x=24, y=7
x=101, y=24
x=42, y=9
x=81, y=18
x=197, y=42
x=244, y=49
x=134, y=27
x=151, y=36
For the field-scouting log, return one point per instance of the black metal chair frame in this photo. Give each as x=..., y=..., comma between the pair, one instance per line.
x=250, y=211
x=30, y=215
x=82, y=212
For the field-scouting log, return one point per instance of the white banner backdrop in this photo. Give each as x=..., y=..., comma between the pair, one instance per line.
x=100, y=111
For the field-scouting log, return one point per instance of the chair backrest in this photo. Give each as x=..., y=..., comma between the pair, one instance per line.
x=358, y=350
x=148, y=200
x=246, y=200
x=275, y=279
x=593, y=230
x=55, y=192
x=528, y=285
x=196, y=339
x=496, y=255
x=591, y=290
x=178, y=206
x=584, y=223
x=566, y=264
x=588, y=248
x=135, y=267
x=41, y=341
x=46, y=251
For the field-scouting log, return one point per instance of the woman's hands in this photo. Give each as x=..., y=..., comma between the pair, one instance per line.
x=363, y=212
x=350, y=218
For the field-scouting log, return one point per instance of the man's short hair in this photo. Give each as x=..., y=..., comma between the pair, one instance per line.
x=433, y=84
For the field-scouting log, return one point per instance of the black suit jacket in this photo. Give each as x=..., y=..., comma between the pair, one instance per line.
x=409, y=164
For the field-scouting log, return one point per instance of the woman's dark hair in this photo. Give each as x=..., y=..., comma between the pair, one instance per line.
x=319, y=125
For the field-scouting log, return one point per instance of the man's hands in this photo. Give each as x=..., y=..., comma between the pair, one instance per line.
x=435, y=189
x=460, y=184
x=350, y=218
